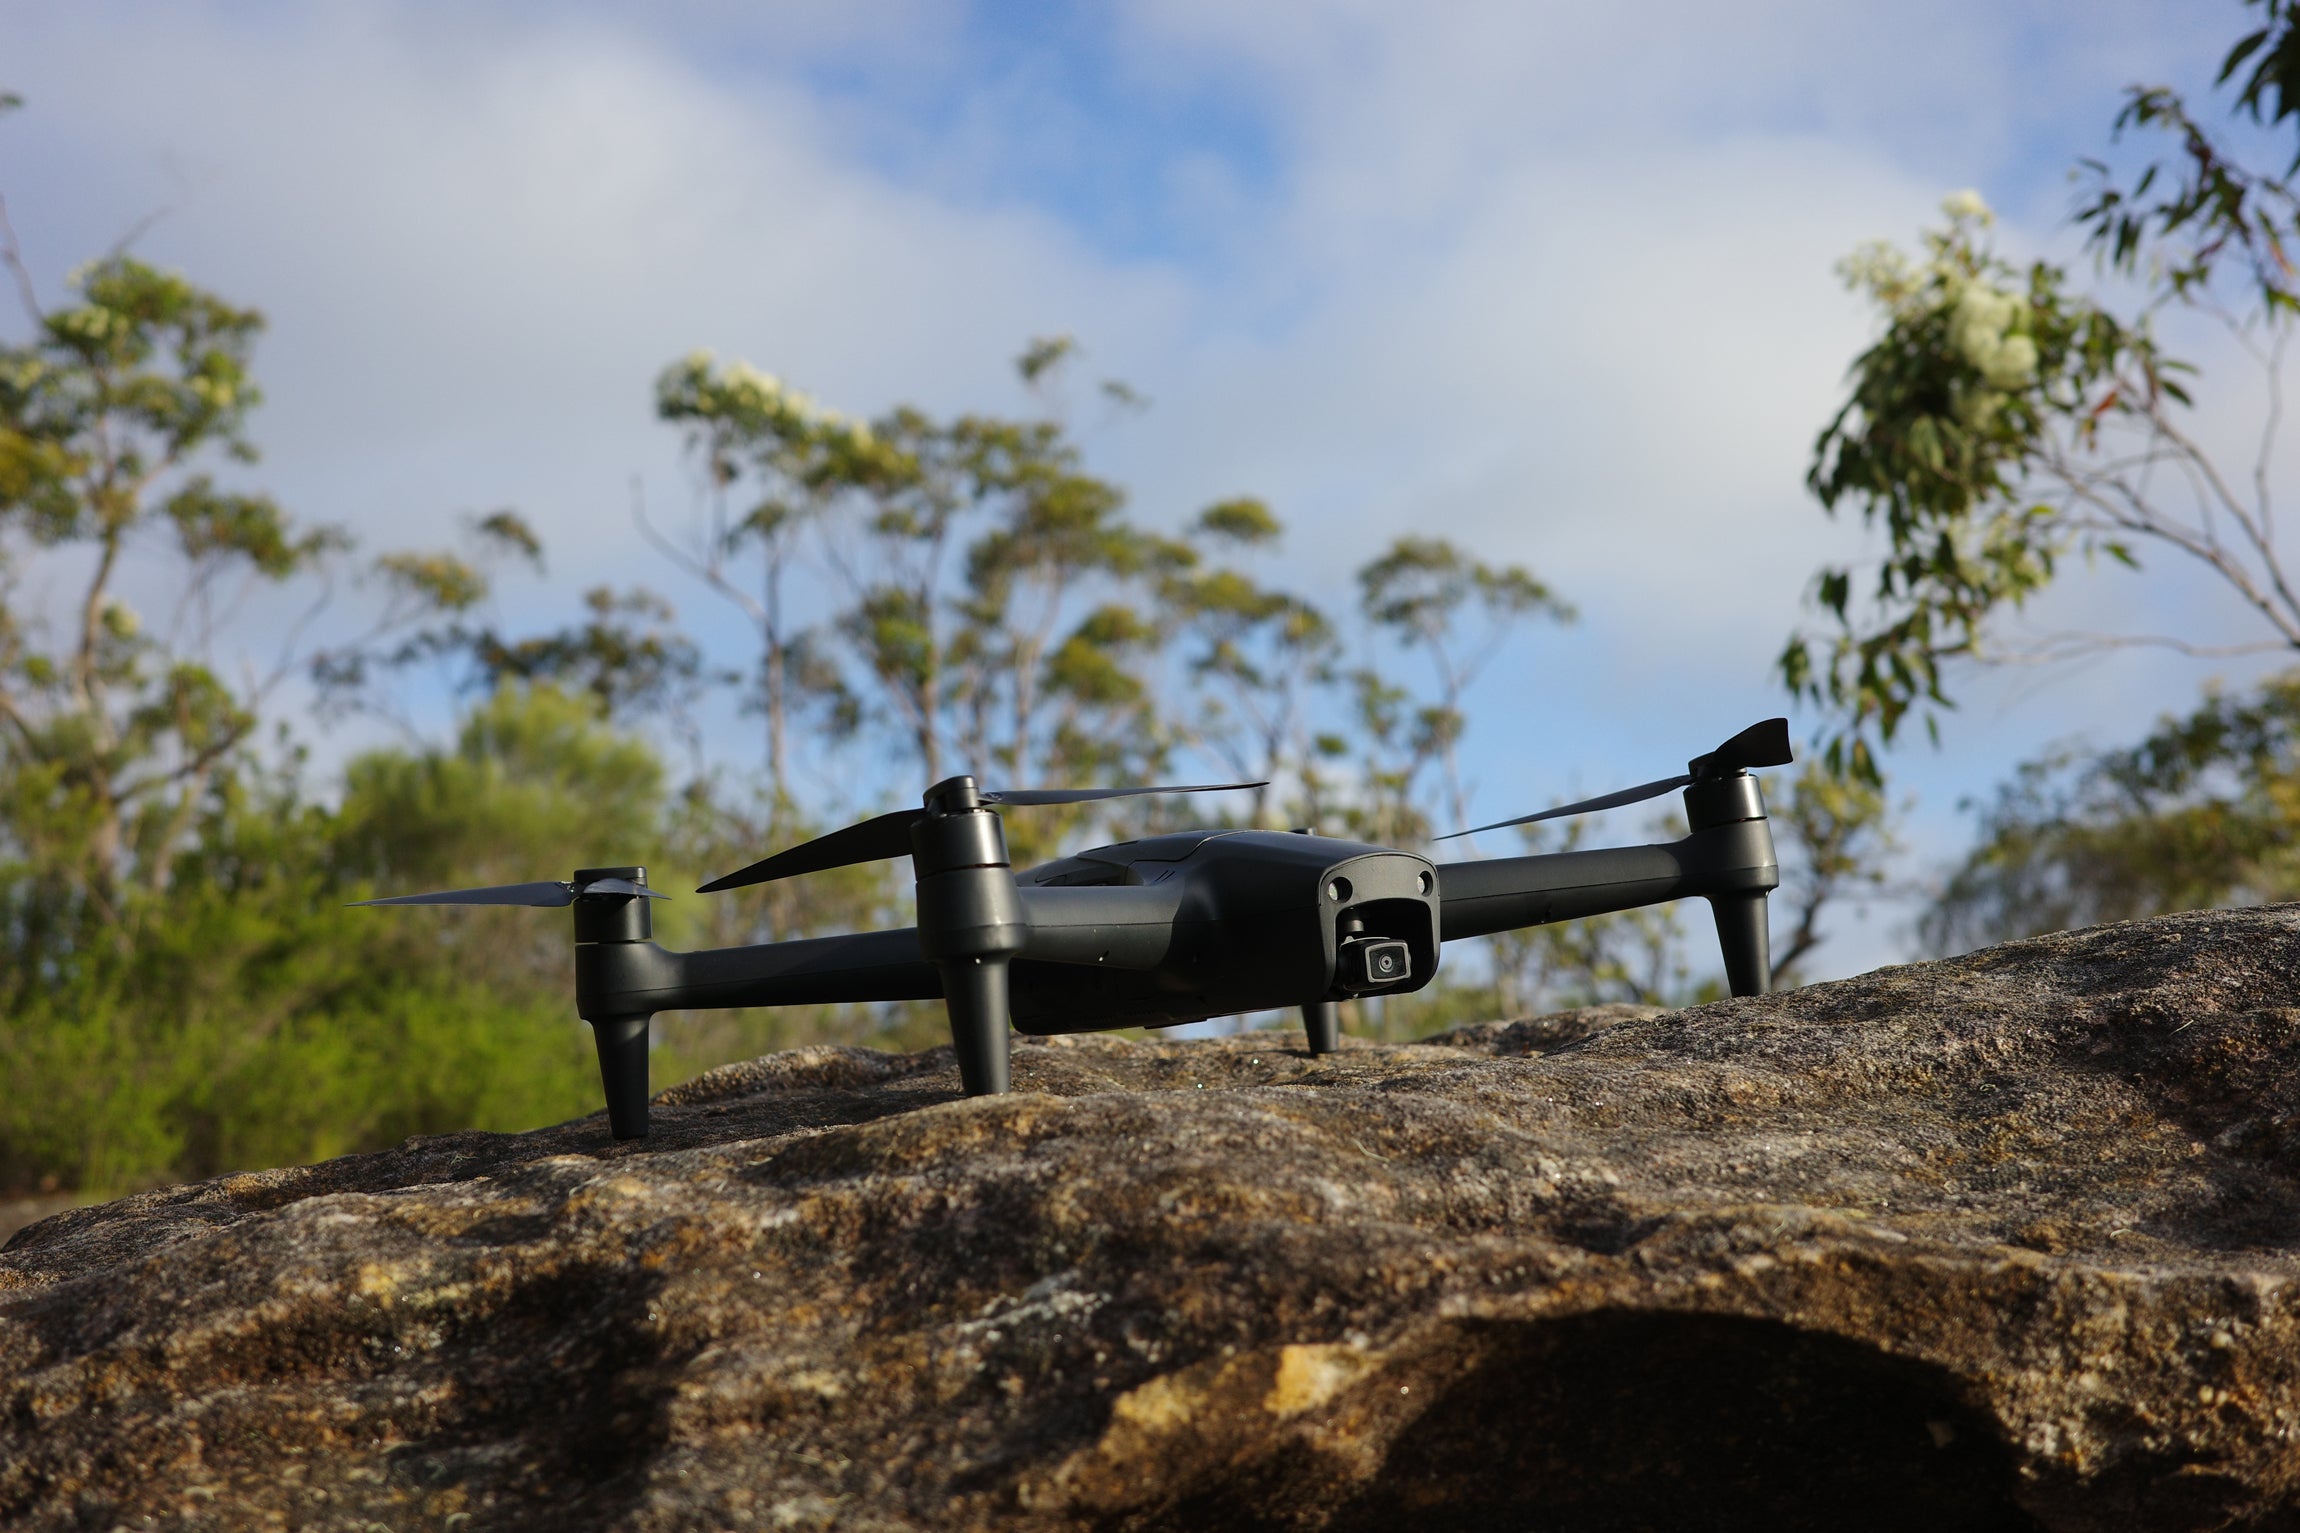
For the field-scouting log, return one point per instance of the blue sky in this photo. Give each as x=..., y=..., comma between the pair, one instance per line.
x=1555, y=280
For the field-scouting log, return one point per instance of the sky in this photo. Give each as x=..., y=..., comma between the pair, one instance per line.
x=1553, y=280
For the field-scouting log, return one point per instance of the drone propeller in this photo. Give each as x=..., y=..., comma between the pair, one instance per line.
x=549, y=893
x=1760, y=745
x=888, y=835
x=610, y=907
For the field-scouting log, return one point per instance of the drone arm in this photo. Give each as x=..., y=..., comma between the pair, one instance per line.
x=1504, y=893
x=1477, y=899
x=1126, y=927
x=626, y=978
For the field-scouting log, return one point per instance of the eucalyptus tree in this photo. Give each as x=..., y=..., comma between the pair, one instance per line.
x=2007, y=418
x=2203, y=811
x=977, y=594
x=1258, y=658
x=121, y=415
x=1456, y=611
x=792, y=461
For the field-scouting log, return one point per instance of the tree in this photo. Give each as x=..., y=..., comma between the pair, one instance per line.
x=751, y=431
x=114, y=417
x=999, y=605
x=1048, y=657
x=179, y=983
x=993, y=608
x=628, y=657
x=1257, y=656
x=2005, y=420
x=110, y=738
x=2205, y=811
x=255, y=1020
x=1456, y=612
x=534, y=784
x=1835, y=835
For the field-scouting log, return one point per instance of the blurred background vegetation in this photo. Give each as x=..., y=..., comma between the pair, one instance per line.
x=186, y=992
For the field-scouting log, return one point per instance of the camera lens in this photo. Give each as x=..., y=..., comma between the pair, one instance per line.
x=1370, y=963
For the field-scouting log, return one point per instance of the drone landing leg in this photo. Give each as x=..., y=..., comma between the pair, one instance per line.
x=623, y=1071
x=1741, y=932
x=974, y=990
x=1322, y=1020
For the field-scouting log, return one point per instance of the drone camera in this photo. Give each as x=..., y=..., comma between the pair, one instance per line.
x=1375, y=963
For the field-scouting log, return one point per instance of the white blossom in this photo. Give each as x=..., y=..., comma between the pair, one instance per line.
x=1968, y=204
x=1982, y=328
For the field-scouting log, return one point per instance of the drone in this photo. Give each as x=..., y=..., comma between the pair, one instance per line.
x=1154, y=932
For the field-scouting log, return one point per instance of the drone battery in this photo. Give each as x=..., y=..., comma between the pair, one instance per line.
x=1371, y=963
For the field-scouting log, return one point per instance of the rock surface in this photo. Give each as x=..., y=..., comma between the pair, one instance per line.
x=2007, y=1241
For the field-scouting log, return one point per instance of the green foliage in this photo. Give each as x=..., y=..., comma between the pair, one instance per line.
x=242, y=1017
x=1044, y=354
x=184, y=992
x=2271, y=92
x=2205, y=811
x=1836, y=838
x=628, y=656
x=997, y=612
x=1985, y=378
x=532, y=778
x=798, y=462
x=2005, y=419
x=1246, y=522
x=115, y=390
x=2205, y=211
x=110, y=739
x=106, y=736
x=1255, y=657
x=1455, y=612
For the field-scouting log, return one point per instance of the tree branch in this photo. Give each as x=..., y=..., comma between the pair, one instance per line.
x=12, y=256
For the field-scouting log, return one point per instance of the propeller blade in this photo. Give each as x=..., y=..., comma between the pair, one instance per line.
x=888, y=835
x=1025, y=797
x=1760, y=745
x=1586, y=806
x=550, y=892
x=873, y=840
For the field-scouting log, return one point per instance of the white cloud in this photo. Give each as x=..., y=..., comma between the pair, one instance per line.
x=476, y=251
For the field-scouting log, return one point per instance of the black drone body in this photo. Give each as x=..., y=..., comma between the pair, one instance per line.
x=1153, y=932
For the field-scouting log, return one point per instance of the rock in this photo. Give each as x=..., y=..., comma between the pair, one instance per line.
x=2007, y=1241
x=15, y=1213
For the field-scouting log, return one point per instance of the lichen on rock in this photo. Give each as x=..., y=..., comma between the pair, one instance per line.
x=2005, y=1241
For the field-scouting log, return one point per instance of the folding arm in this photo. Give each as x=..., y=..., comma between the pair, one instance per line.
x=1501, y=894
x=1123, y=927
x=623, y=978
x=1731, y=865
